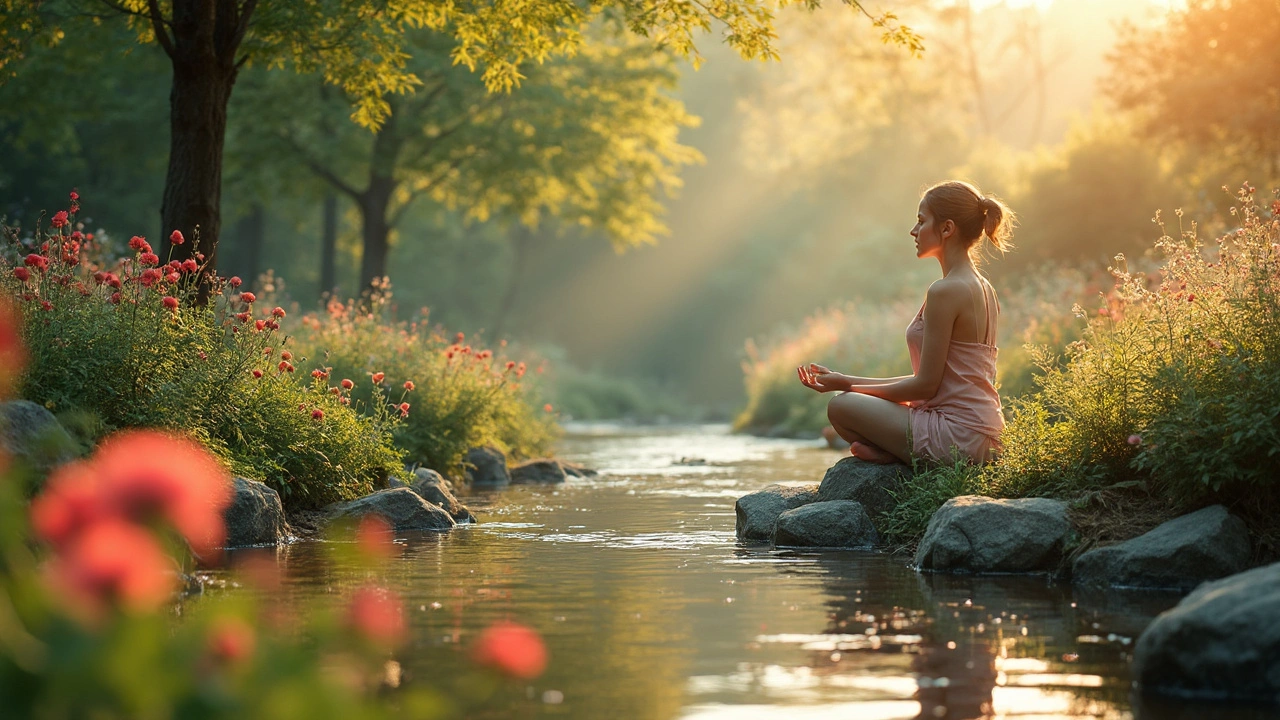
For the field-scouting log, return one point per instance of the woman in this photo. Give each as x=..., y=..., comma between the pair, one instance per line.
x=949, y=406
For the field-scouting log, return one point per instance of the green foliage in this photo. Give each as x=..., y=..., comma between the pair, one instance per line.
x=928, y=489
x=599, y=395
x=464, y=395
x=126, y=358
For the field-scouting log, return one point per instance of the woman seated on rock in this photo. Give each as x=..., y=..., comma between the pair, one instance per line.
x=949, y=405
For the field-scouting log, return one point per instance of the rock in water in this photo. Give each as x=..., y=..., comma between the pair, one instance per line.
x=829, y=524
x=546, y=471
x=758, y=512
x=30, y=432
x=1204, y=545
x=433, y=488
x=402, y=507
x=981, y=535
x=487, y=468
x=1221, y=641
x=255, y=516
x=864, y=482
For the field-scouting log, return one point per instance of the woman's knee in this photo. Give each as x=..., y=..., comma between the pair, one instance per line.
x=839, y=407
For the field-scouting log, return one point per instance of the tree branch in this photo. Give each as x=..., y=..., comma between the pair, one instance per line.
x=325, y=173
x=157, y=26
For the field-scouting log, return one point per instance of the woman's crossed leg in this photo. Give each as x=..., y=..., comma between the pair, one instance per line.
x=877, y=429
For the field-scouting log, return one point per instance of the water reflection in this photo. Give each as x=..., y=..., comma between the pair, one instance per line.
x=651, y=610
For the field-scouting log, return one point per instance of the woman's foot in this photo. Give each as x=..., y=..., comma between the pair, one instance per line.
x=872, y=454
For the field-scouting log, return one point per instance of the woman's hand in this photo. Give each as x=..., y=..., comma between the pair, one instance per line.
x=821, y=379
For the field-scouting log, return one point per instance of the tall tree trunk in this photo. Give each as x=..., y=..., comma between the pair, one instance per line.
x=376, y=229
x=251, y=230
x=329, y=246
x=522, y=243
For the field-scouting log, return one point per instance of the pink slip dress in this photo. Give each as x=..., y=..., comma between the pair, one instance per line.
x=964, y=418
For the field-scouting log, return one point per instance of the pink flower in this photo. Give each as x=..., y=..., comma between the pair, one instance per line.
x=347, y=384
x=189, y=265
x=1135, y=440
x=404, y=409
x=408, y=385
x=317, y=414
x=278, y=312
x=176, y=237
x=74, y=196
x=257, y=373
x=235, y=281
x=173, y=277
x=547, y=407
x=377, y=614
x=512, y=649
x=286, y=355
x=319, y=374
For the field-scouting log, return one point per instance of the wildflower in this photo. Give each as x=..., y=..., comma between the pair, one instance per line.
x=115, y=298
x=12, y=355
x=466, y=350
x=378, y=377
x=22, y=273
x=484, y=355
x=230, y=639
x=170, y=302
x=273, y=324
x=1215, y=344
x=284, y=366
x=374, y=536
x=404, y=409
x=459, y=337
x=510, y=365
x=317, y=414
x=335, y=391
x=189, y=265
x=319, y=374
x=347, y=384
x=149, y=277
x=139, y=244
x=547, y=407
x=148, y=258
x=520, y=370
x=259, y=324
x=46, y=305
x=278, y=312
x=408, y=385
x=39, y=262
x=243, y=317
x=59, y=219
x=68, y=504
x=248, y=297
x=286, y=355
x=257, y=373
x=113, y=281
x=235, y=281
x=377, y=614
x=1135, y=440
x=71, y=253
x=344, y=400
x=175, y=265
x=113, y=563
x=512, y=649
x=74, y=196
x=448, y=355
x=1191, y=297
x=173, y=277
x=176, y=237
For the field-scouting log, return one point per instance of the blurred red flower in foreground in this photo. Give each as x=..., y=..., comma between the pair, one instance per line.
x=513, y=649
x=12, y=354
x=374, y=537
x=231, y=639
x=114, y=563
x=377, y=614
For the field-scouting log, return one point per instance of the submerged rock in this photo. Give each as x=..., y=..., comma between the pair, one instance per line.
x=31, y=433
x=1221, y=641
x=863, y=482
x=544, y=471
x=758, y=512
x=432, y=487
x=1181, y=553
x=578, y=471
x=978, y=534
x=487, y=468
x=829, y=524
x=402, y=507
x=255, y=515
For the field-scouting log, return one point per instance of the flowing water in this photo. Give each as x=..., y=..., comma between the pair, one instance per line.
x=652, y=610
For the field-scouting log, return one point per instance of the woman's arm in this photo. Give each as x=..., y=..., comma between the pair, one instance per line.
x=942, y=305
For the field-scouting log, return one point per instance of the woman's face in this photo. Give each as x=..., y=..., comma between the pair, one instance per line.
x=927, y=235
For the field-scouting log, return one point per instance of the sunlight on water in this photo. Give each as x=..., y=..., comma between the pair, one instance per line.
x=651, y=609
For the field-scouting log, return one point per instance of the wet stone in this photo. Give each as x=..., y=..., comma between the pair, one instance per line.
x=432, y=487
x=255, y=515
x=487, y=468
x=829, y=524
x=978, y=534
x=403, y=508
x=544, y=471
x=758, y=512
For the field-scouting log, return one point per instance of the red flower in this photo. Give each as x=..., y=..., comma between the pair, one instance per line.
x=115, y=298
x=286, y=355
x=74, y=196
x=113, y=563
x=243, y=317
x=176, y=237
x=278, y=312
x=235, y=281
x=248, y=297
x=344, y=400
x=347, y=384
x=283, y=366
x=149, y=258
x=485, y=355
x=139, y=244
x=1135, y=440
x=510, y=364
x=257, y=373
x=149, y=277
x=69, y=503
x=46, y=305
x=259, y=324
x=59, y=219
x=22, y=274
x=513, y=649
x=38, y=262
x=377, y=614
x=12, y=355
x=547, y=407
x=408, y=385
x=189, y=265
x=113, y=280
x=335, y=391
x=466, y=350
x=231, y=640
x=404, y=409
x=377, y=377
x=173, y=277
x=319, y=374
x=1191, y=297
x=317, y=414
x=273, y=324
x=374, y=536
x=459, y=337
x=170, y=302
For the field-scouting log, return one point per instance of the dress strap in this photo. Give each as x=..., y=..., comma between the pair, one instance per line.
x=986, y=309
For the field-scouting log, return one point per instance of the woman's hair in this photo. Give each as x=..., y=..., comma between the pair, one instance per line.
x=973, y=213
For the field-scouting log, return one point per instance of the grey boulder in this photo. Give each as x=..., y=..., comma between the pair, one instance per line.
x=546, y=471
x=1204, y=545
x=829, y=524
x=255, y=515
x=758, y=512
x=978, y=534
x=863, y=482
x=487, y=468
x=432, y=487
x=32, y=434
x=1222, y=641
x=403, y=508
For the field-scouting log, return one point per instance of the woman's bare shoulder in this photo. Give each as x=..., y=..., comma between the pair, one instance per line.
x=949, y=291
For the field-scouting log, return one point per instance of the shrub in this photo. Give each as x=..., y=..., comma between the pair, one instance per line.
x=928, y=489
x=462, y=396
x=127, y=341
